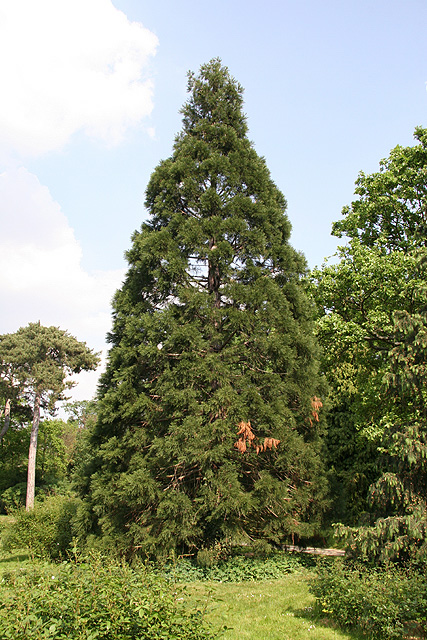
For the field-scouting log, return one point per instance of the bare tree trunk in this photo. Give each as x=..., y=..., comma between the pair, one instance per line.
x=31, y=478
x=6, y=419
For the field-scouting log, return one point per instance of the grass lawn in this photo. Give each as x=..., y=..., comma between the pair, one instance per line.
x=274, y=610
x=267, y=610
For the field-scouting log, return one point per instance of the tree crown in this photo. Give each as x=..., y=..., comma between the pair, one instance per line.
x=391, y=211
x=42, y=358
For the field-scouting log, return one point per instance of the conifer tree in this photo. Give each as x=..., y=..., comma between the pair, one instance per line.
x=36, y=364
x=207, y=417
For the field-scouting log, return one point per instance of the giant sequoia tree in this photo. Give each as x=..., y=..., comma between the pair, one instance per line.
x=207, y=425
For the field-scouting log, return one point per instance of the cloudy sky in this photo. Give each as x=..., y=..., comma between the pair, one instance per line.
x=91, y=92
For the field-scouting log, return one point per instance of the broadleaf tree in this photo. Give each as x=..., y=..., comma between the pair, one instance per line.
x=41, y=360
x=212, y=344
x=373, y=329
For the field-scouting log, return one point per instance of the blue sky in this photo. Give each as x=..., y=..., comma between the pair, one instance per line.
x=90, y=104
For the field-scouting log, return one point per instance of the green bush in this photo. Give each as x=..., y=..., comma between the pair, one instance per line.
x=386, y=603
x=213, y=555
x=97, y=600
x=235, y=569
x=13, y=498
x=47, y=530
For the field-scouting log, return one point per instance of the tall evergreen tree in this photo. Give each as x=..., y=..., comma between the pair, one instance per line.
x=207, y=426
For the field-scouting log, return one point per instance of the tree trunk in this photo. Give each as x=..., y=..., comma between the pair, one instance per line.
x=31, y=478
x=6, y=419
x=214, y=276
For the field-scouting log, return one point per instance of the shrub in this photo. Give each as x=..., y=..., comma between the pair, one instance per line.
x=386, y=603
x=235, y=569
x=13, y=498
x=213, y=555
x=98, y=600
x=47, y=530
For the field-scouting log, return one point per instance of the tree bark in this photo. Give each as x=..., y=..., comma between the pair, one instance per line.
x=6, y=419
x=31, y=477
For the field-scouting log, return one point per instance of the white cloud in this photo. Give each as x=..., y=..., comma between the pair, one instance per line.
x=41, y=277
x=69, y=66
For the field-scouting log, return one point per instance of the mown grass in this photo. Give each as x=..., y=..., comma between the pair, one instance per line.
x=274, y=610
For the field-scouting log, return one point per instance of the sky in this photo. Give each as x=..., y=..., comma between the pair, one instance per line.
x=91, y=94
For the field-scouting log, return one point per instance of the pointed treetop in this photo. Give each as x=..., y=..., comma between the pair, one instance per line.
x=216, y=97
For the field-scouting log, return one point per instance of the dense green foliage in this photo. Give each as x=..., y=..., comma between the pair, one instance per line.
x=56, y=443
x=212, y=351
x=60, y=453
x=94, y=600
x=48, y=530
x=236, y=568
x=373, y=328
x=274, y=608
x=386, y=604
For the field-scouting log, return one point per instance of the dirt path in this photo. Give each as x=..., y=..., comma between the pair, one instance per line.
x=315, y=551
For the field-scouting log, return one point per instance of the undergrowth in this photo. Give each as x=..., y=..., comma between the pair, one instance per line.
x=238, y=568
x=47, y=530
x=387, y=603
x=96, y=600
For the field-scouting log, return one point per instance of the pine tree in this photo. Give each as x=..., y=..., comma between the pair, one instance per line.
x=207, y=427
x=36, y=364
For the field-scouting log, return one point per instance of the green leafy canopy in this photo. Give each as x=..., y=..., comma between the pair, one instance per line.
x=373, y=328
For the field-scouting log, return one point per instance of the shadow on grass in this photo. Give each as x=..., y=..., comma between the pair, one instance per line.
x=313, y=615
x=15, y=558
